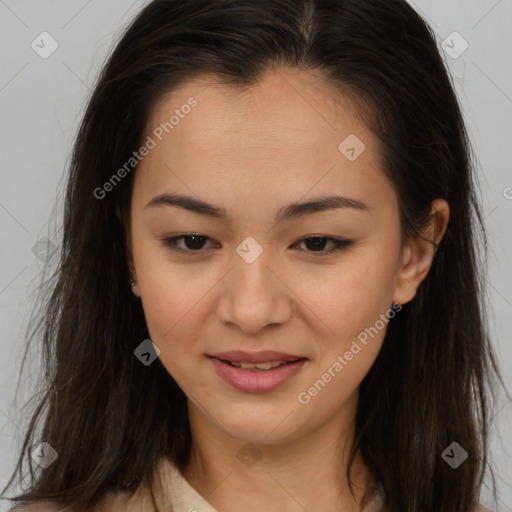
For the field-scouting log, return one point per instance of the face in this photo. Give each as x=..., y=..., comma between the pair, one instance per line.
x=239, y=273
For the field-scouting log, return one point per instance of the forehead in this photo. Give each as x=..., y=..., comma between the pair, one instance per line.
x=277, y=138
x=292, y=103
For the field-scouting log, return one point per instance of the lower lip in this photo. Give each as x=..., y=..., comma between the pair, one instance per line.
x=256, y=381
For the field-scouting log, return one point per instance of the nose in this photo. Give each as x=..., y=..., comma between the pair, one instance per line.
x=254, y=296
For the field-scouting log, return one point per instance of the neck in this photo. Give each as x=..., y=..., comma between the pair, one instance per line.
x=307, y=473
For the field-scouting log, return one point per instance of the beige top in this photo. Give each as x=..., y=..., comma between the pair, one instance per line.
x=172, y=493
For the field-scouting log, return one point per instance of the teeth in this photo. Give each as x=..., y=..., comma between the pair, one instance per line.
x=259, y=366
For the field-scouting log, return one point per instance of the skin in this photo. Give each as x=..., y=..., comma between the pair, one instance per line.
x=252, y=153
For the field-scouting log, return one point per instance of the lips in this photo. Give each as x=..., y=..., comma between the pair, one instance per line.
x=256, y=372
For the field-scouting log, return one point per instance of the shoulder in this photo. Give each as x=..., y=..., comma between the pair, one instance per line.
x=141, y=499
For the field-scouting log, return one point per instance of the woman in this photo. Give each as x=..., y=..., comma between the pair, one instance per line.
x=269, y=293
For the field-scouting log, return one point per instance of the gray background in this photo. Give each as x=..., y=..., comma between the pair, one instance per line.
x=41, y=102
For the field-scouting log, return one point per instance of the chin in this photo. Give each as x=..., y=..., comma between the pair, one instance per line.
x=259, y=425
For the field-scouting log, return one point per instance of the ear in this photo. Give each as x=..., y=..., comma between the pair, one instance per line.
x=419, y=253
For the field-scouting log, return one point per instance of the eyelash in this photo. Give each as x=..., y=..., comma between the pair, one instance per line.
x=339, y=244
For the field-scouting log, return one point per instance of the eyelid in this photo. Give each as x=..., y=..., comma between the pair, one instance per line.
x=339, y=244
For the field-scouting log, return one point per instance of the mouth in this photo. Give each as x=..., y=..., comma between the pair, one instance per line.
x=263, y=356
x=258, y=367
x=257, y=372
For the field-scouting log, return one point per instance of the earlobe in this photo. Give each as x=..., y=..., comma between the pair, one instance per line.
x=131, y=265
x=418, y=257
x=133, y=276
x=419, y=253
x=135, y=289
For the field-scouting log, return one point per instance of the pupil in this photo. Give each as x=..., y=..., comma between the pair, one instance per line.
x=197, y=242
x=317, y=243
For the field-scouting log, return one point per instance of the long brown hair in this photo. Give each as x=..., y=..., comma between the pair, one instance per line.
x=109, y=417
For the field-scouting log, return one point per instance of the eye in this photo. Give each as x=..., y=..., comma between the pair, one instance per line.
x=318, y=243
x=194, y=244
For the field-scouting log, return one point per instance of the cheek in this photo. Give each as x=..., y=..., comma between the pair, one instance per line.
x=351, y=302
x=350, y=296
x=173, y=310
x=176, y=303
x=173, y=306
x=171, y=293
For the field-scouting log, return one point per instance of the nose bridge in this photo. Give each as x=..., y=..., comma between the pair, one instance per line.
x=253, y=296
x=253, y=276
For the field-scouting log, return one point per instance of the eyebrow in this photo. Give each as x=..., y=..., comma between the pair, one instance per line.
x=293, y=210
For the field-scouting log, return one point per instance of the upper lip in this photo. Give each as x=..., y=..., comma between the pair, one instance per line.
x=239, y=356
